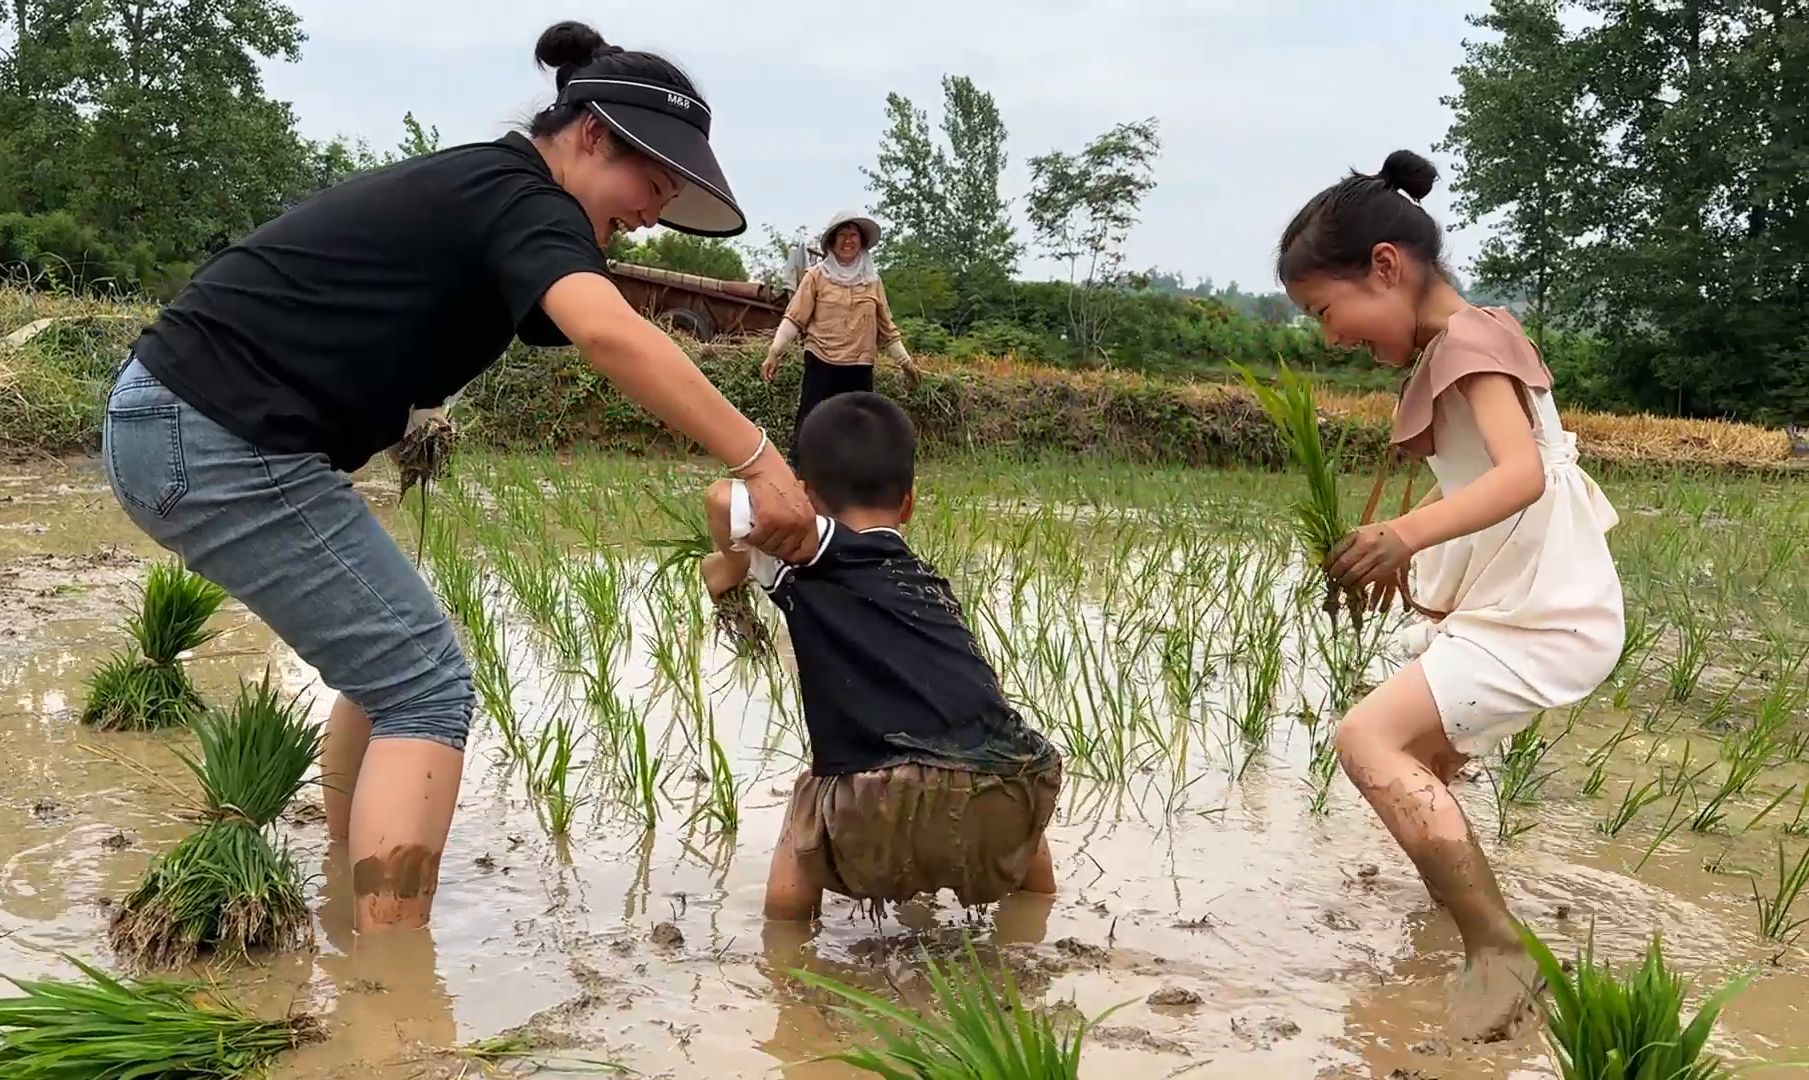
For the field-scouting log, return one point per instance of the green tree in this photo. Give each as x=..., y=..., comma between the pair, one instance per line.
x=1082, y=206
x=417, y=141
x=941, y=203
x=707, y=256
x=146, y=122
x=1529, y=146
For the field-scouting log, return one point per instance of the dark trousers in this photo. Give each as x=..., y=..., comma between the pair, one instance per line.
x=822, y=381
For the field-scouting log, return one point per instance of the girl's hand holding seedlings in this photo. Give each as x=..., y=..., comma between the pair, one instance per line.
x=1369, y=555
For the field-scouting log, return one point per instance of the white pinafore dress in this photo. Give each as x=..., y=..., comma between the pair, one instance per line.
x=1535, y=604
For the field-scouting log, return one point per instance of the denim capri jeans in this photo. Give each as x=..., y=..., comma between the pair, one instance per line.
x=287, y=536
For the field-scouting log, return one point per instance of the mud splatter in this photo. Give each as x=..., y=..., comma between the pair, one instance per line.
x=408, y=872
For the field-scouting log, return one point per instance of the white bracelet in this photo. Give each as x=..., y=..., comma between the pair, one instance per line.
x=755, y=456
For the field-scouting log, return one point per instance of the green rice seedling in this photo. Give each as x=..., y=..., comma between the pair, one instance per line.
x=601, y=597
x=1694, y=634
x=646, y=771
x=1635, y=799
x=1322, y=771
x=1747, y=757
x=1641, y=635
x=1507, y=826
x=1259, y=676
x=1776, y=801
x=226, y=887
x=1599, y=757
x=1319, y=521
x=551, y=774
x=980, y=1034
x=1521, y=781
x=1799, y=825
x=1775, y=921
x=1674, y=820
x=722, y=808
x=1601, y=1026
x=104, y=1028
x=150, y=690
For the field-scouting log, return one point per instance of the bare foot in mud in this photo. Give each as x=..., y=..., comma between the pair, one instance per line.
x=1493, y=994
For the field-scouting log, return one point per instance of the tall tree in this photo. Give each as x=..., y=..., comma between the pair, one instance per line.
x=1529, y=146
x=1082, y=206
x=941, y=204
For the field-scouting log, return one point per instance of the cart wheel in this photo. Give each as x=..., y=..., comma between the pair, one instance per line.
x=695, y=323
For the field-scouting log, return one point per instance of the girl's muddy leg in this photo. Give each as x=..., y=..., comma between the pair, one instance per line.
x=789, y=895
x=1493, y=990
x=401, y=813
x=342, y=755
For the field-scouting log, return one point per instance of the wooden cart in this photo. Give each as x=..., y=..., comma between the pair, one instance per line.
x=702, y=307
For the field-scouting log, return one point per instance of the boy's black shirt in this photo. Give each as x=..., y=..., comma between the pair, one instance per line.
x=888, y=670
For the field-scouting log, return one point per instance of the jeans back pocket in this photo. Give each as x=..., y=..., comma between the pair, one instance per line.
x=144, y=455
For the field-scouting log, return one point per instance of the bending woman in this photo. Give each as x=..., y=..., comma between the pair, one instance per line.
x=297, y=353
x=840, y=311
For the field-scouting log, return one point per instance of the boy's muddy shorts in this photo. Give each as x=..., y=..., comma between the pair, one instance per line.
x=893, y=833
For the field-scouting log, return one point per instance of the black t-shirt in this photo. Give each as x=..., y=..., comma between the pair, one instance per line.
x=389, y=291
x=887, y=667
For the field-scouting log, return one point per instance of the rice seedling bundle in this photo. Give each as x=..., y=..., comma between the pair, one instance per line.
x=1319, y=521
x=737, y=620
x=227, y=887
x=104, y=1028
x=148, y=689
x=981, y=1034
x=1606, y=1027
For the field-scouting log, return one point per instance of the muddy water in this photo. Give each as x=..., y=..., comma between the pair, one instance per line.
x=1310, y=944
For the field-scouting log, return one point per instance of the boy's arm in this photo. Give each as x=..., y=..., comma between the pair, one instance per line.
x=731, y=517
x=728, y=565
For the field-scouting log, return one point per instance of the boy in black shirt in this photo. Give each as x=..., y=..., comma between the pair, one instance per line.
x=922, y=777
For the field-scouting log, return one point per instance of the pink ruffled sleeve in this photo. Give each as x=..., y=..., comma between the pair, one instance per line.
x=1477, y=340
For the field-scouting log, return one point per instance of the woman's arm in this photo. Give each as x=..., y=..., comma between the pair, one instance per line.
x=1515, y=482
x=890, y=340
x=653, y=372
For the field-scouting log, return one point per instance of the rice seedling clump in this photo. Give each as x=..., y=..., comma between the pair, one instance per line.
x=148, y=689
x=227, y=887
x=1605, y=1026
x=104, y=1028
x=981, y=1032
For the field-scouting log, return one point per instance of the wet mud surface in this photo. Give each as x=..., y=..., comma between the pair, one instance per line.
x=1243, y=935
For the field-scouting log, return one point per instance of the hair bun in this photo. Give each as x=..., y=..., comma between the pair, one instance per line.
x=567, y=46
x=1409, y=174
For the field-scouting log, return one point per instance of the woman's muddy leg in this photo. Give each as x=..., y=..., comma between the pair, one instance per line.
x=401, y=813
x=1426, y=820
x=341, y=756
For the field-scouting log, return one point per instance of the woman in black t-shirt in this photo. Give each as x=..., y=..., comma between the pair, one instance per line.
x=297, y=353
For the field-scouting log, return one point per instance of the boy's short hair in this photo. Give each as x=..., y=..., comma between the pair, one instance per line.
x=858, y=450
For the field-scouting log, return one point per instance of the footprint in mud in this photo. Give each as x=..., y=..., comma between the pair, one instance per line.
x=1338, y=920
x=1266, y=1033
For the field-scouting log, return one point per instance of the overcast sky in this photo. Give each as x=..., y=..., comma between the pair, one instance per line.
x=1260, y=102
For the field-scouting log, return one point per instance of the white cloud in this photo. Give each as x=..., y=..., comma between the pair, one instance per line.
x=1260, y=104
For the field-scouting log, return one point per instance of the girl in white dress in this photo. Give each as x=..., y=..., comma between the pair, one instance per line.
x=1507, y=555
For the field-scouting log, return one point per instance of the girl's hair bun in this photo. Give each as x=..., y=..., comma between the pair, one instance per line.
x=1409, y=173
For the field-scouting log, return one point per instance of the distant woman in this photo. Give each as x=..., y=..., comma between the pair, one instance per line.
x=841, y=313
x=297, y=354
